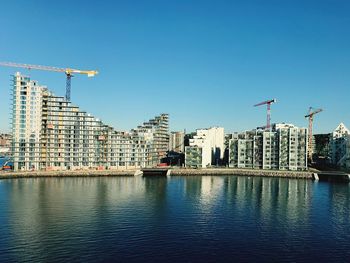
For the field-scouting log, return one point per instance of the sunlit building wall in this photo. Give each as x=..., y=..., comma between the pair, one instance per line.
x=209, y=144
x=51, y=133
x=283, y=148
x=339, y=146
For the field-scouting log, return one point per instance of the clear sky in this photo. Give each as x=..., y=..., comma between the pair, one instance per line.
x=205, y=63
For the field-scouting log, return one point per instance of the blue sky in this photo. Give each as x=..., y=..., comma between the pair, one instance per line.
x=205, y=63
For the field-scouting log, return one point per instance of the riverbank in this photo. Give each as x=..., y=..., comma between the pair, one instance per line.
x=172, y=172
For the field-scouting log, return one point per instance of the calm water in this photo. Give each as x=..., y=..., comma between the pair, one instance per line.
x=207, y=219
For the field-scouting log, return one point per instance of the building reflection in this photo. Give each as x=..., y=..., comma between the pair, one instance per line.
x=264, y=198
x=339, y=205
x=42, y=214
x=66, y=208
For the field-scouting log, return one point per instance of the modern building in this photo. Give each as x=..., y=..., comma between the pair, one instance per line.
x=154, y=134
x=292, y=143
x=339, y=147
x=53, y=134
x=321, y=145
x=177, y=142
x=5, y=140
x=206, y=148
x=245, y=150
x=282, y=148
x=228, y=137
x=5, y=144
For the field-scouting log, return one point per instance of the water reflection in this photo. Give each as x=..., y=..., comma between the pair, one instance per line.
x=182, y=217
x=339, y=205
x=264, y=196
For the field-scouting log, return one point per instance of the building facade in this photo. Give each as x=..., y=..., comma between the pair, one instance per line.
x=339, y=147
x=177, y=142
x=208, y=144
x=321, y=145
x=53, y=134
x=5, y=144
x=282, y=148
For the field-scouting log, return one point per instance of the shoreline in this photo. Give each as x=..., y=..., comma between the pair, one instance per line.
x=171, y=172
x=243, y=172
x=73, y=173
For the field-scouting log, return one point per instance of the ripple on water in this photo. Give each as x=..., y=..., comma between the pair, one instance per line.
x=178, y=219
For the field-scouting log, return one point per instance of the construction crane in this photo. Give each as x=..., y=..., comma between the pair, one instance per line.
x=268, y=118
x=68, y=71
x=310, y=115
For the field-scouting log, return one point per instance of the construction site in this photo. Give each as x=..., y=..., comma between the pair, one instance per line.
x=278, y=146
x=51, y=133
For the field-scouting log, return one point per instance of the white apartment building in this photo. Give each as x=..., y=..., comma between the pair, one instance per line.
x=26, y=121
x=206, y=148
x=53, y=134
x=340, y=146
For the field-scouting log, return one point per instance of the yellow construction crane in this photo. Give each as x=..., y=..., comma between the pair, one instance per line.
x=310, y=115
x=68, y=71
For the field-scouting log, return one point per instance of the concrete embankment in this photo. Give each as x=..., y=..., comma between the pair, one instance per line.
x=171, y=172
x=76, y=173
x=243, y=172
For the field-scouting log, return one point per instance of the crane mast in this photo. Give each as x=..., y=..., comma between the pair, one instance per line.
x=68, y=71
x=268, y=115
x=310, y=115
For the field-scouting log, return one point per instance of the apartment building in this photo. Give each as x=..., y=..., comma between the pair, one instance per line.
x=5, y=140
x=53, y=134
x=292, y=144
x=154, y=137
x=176, y=142
x=5, y=144
x=339, y=146
x=283, y=148
x=206, y=148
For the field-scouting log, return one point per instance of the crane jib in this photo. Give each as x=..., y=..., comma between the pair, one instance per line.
x=67, y=71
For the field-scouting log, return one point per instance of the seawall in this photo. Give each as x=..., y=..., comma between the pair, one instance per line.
x=75, y=173
x=172, y=172
x=243, y=172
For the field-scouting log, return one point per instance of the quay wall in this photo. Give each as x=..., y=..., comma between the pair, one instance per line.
x=174, y=172
x=74, y=173
x=244, y=172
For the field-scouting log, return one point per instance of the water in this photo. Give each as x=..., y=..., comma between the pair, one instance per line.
x=191, y=219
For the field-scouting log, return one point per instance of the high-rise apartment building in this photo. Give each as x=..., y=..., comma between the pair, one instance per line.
x=52, y=133
x=283, y=148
